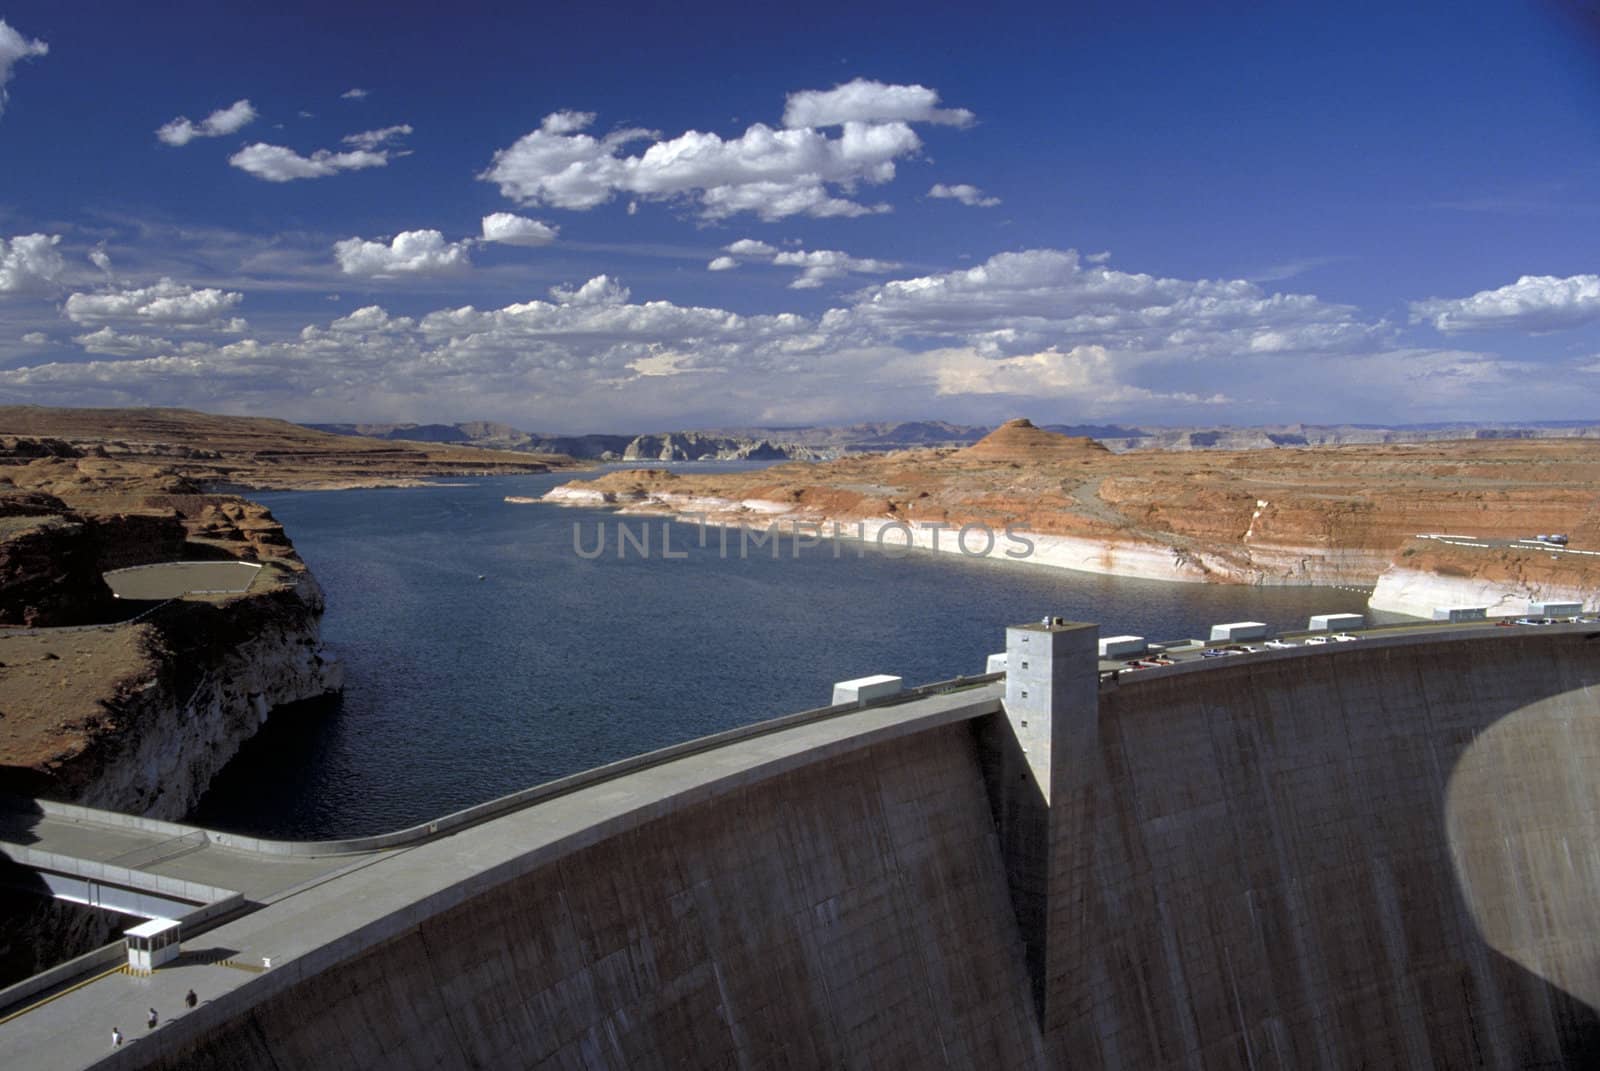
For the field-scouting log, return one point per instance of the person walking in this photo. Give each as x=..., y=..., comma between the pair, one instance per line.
x=154, y=1018
x=190, y=999
x=116, y=1037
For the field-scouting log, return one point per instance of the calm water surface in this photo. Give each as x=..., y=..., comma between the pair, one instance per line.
x=459, y=690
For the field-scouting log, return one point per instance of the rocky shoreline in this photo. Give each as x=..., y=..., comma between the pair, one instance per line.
x=1318, y=516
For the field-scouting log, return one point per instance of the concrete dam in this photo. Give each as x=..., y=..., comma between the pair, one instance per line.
x=1375, y=854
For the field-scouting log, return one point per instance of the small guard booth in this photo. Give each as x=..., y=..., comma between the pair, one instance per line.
x=150, y=944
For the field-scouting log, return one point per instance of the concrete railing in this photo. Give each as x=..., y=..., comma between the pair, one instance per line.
x=494, y=808
x=104, y=958
x=204, y=897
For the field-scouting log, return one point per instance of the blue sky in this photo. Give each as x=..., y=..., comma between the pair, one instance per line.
x=614, y=219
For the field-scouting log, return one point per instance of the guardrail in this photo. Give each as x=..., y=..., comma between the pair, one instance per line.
x=206, y=898
x=103, y=958
x=1378, y=637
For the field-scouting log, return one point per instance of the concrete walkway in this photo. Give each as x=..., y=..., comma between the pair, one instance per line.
x=258, y=876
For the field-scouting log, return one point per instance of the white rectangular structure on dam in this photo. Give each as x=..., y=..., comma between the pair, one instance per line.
x=150, y=944
x=1239, y=630
x=1119, y=646
x=866, y=689
x=1334, y=622
x=1460, y=613
x=1555, y=609
x=996, y=663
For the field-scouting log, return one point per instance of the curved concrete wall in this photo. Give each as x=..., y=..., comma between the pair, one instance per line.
x=850, y=912
x=1382, y=855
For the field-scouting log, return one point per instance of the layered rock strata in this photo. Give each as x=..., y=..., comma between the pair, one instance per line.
x=1312, y=515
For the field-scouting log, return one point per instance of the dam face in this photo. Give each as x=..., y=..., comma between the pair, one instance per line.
x=850, y=912
x=1386, y=858
x=1382, y=854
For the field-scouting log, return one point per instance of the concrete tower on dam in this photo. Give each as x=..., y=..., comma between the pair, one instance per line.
x=1374, y=854
x=1036, y=756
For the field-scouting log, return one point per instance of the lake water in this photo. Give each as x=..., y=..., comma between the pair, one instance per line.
x=459, y=690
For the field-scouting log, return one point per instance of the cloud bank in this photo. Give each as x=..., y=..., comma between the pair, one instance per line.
x=799, y=169
x=166, y=303
x=1534, y=303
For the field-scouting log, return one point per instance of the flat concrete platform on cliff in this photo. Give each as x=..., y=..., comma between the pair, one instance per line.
x=173, y=580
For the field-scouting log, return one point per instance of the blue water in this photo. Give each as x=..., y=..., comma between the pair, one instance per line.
x=459, y=690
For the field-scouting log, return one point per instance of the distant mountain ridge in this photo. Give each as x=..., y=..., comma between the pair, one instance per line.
x=816, y=442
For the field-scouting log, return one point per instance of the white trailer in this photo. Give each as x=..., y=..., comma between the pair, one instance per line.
x=864, y=690
x=1122, y=646
x=1335, y=622
x=1239, y=630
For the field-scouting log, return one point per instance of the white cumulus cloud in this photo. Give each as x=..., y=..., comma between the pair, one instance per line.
x=166, y=303
x=1535, y=303
x=819, y=265
x=29, y=263
x=353, y=94
x=372, y=139
x=115, y=343
x=509, y=228
x=1043, y=327
x=866, y=101
x=1088, y=374
x=601, y=290
x=422, y=252
x=14, y=48
x=276, y=163
x=966, y=193
x=35, y=338
x=1025, y=302
x=373, y=320
x=750, y=247
x=229, y=120
x=823, y=264
x=773, y=173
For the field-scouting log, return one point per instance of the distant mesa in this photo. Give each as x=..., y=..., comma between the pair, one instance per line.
x=1018, y=440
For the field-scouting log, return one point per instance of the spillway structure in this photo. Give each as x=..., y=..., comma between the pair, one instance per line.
x=1383, y=853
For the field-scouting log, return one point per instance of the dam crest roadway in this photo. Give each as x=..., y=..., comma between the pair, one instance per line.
x=1383, y=852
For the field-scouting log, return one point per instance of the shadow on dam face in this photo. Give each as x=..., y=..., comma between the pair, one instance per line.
x=1386, y=858
x=1378, y=856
